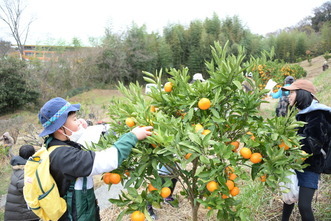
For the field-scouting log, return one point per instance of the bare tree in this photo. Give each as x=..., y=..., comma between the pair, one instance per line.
x=11, y=12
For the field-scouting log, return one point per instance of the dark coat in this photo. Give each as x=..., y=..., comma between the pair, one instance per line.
x=16, y=207
x=317, y=133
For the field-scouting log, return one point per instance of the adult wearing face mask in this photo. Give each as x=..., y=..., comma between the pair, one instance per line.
x=71, y=167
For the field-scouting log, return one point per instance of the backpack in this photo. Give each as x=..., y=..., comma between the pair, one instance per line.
x=282, y=107
x=40, y=190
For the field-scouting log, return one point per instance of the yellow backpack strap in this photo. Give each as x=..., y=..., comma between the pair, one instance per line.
x=50, y=149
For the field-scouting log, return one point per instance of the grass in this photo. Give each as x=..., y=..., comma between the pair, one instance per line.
x=323, y=85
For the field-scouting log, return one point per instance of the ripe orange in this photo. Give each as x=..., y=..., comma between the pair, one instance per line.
x=205, y=132
x=129, y=122
x=235, y=145
x=256, y=158
x=168, y=87
x=232, y=176
x=224, y=196
x=188, y=155
x=127, y=172
x=154, y=145
x=229, y=184
x=151, y=187
x=137, y=216
x=252, y=135
x=263, y=178
x=245, y=152
x=212, y=186
x=235, y=191
x=229, y=170
x=152, y=108
x=165, y=192
x=111, y=178
x=283, y=145
x=198, y=127
x=304, y=153
x=204, y=103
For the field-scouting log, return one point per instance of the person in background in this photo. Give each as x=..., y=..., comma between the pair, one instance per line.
x=325, y=66
x=73, y=168
x=8, y=142
x=282, y=107
x=316, y=140
x=249, y=83
x=16, y=207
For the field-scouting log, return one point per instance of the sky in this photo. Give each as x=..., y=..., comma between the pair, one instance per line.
x=67, y=19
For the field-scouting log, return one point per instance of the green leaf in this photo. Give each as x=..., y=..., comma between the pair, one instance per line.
x=149, y=80
x=274, y=136
x=255, y=169
x=238, y=84
x=215, y=113
x=204, y=160
x=121, y=215
x=142, y=168
x=199, y=170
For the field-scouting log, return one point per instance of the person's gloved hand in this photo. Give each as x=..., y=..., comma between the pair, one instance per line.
x=142, y=132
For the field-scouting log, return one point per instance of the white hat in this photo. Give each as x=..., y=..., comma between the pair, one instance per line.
x=198, y=76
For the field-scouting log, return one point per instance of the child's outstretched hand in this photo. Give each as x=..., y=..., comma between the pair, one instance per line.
x=142, y=132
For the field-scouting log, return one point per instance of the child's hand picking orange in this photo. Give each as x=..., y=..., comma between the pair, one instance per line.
x=142, y=132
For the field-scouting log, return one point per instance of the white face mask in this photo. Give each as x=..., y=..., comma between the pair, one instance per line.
x=75, y=135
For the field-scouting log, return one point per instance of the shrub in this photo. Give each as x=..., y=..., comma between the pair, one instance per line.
x=16, y=89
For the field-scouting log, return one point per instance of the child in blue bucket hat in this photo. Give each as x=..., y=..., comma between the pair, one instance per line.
x=72, y=167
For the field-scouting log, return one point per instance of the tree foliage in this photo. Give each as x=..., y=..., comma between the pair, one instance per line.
x=233, y=116
x=16, y=90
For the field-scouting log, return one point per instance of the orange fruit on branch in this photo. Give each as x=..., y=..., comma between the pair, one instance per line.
x=137, y=216
x=127, y=172
x=283, y=145
x=111, y=178
x=245, y=152
x=212, y=186
x=256, y=158
x=168, y=87
x=152, y=108
x=129, y=122
x=263, y=178
x=205, y=132
x=232, y=176
x=235, y=145
x=165, y=192
x=235, y=191
x=229, y=170
x=151, y=187
x=251, y=134
x=198, y=127
x=229, y=184
x=204, y=103
x=188, y=155
x=224, y=196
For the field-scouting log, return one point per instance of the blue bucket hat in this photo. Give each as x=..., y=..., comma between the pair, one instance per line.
x=54, y=114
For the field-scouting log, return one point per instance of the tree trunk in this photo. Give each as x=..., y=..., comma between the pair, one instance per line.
x=195, y=209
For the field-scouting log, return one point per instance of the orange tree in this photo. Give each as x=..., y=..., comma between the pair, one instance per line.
x=210, y=175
